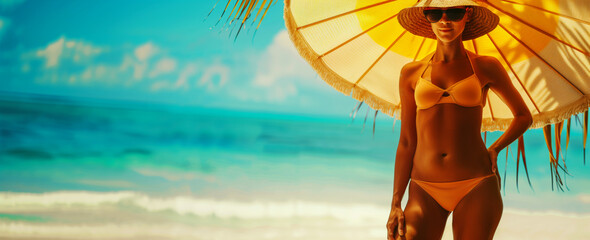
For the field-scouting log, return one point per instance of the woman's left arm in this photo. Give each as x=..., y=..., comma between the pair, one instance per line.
x=500, y=83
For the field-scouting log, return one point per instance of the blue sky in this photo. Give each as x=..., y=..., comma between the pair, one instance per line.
x=157, y=52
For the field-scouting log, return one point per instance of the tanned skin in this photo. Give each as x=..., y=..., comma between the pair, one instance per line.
x=443, y=143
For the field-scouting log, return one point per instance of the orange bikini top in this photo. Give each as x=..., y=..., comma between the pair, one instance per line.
x=466, y=92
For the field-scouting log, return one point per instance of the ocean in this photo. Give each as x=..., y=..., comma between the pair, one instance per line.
x=73, y=169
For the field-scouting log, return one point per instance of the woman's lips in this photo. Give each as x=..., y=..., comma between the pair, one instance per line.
x=445, y=29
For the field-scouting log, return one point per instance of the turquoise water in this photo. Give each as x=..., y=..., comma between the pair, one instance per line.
x=219, y=168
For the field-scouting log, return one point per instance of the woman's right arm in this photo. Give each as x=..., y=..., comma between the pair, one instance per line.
x=405, y=149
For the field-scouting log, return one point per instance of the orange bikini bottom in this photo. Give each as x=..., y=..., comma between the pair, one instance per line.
x=448, y=194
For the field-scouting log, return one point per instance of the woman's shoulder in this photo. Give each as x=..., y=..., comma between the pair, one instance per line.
x=484, y=62
x=410, y=72
x=412, y=67
x=489, y=68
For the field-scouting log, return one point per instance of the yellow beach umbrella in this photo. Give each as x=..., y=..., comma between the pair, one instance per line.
x=359, y=47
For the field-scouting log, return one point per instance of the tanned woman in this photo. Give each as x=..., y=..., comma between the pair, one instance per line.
x=441, y=153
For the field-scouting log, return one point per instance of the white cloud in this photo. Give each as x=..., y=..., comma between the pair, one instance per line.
x=164, y=65
x=140, y=63
x=52, y=53
x=188, y=71
x=62, y=49
x=214, y=72
x=281, y=71
x=97, y=72
x=182, y=82
x=138, y=70
x=159, y=85
x=145, y=51
x=279, y=93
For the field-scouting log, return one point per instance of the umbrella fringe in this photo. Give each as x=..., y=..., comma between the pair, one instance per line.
x=374, y=102
x=541, y=119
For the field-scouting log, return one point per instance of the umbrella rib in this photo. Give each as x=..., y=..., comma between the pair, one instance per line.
x=513, y=72
x=539, y=30
x=419, y=48
x=474, y=46
x=379, y=58
x=537, y=55
x=547, y=11
x=344, y=13
x=356, y=36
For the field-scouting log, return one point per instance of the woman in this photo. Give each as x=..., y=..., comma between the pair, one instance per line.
x=440, y=145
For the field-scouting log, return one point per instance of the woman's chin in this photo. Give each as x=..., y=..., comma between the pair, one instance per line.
x=446, y=37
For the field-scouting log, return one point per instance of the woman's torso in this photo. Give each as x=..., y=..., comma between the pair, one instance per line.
x=449, y=144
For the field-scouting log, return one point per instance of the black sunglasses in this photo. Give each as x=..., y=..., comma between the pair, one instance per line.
x=453, y=14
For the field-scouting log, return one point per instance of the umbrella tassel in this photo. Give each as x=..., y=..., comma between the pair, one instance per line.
x=213, y=8
x=585, y=133
x=547, y=134
x=518, y=150
x=365, y=121
x=237, y=14
x=374, y=120
x=355, y=110
x=558, y=181
x=248, y=9
x=505, y=168
x=558, y=148
x=578, y=120
x=222, y=13
x=259, y=10
x=248, y=12
x=521, y=146
x=554, y=164
x=551, y=171
x=567, y=138
x=265, y=11
x=229, y=18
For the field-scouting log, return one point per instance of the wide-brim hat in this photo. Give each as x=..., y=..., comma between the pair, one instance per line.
x=481, y=21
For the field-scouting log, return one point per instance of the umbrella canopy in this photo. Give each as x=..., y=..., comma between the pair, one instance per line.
x=359, y=48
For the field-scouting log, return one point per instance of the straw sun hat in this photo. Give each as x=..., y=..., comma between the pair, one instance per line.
x=481, y=20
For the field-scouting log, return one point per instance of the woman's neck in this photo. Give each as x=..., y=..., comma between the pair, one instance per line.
x=449, y=51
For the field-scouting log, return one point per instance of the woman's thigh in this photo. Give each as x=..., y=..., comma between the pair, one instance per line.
x=477, y=215
x=425, y=219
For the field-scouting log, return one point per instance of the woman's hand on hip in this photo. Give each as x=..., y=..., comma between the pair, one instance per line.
x=396, y=223
x=494, y=160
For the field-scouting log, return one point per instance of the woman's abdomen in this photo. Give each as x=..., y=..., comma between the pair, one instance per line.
x=449, y=145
